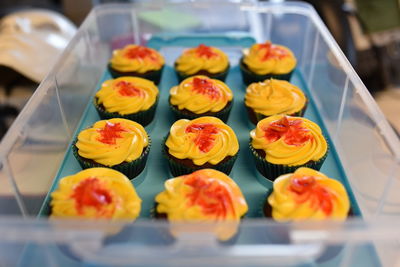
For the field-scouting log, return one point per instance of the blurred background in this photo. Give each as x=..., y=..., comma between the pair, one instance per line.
x=368, y=32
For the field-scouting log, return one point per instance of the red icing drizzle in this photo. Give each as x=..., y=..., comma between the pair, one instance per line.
x=211, y=195
x=205, y=51
x=128, y=89
x=90, y=193
x=206, y=87
x=205, y=135
x=272, y=51
x=140, y=52
x=291, y=130
x=110, y=133
x=306, y=188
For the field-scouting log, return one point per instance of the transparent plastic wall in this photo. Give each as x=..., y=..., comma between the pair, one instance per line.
x=33, y=150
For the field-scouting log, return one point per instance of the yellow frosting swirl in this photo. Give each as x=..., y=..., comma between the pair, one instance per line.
x=269, y=58
x=99, y=193
x=207, y=58
x=111, y=142
x=274, y=97
x=136, y=58
x=200, y=94
x=289, y=140
x=127, y=95
x=204, y=195
x=308, y=194
x=205, y=139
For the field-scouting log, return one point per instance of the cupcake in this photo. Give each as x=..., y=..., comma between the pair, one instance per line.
x=130, y=98
x=119, y=144
x=280, y=144
x=273, y=97
x=203, y=196
x=199, y=96
x=95, y=193
x=202, y=60
x=303, y=195
x=205, y=142
x=265, y=61
x=137, y=60
x=307, y=194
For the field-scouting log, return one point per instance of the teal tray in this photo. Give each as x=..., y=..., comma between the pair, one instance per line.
x=252, y=184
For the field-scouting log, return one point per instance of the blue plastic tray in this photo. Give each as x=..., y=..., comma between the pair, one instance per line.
x=151, y=181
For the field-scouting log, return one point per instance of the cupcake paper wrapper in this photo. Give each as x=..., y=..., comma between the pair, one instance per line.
x=154, y=76
x=144, y=117
x=219, y=76
x=130, y=169
x=250, y=77
x=272, y=171
x=222, y=114
x=178, y=169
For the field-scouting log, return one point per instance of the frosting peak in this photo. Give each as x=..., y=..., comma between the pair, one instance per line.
x=91, y=193
x=306, y=188
x=267, y=58
x=97, y=193
x=136, y=58
x=127, y=95
x=308, y=194
x=205, y=195
x=202, y=57
x=110, y=133
x=272, y=51
x=272, y=97
x=200, y=94
x=289, y=140
x=202, y=140
x=211, y=195
x=205, y=87
x=292, y=132
x=111, y=142
x=205, y=135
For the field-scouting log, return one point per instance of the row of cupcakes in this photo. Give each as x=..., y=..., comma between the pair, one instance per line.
x=260, y=62
x=205, y=195
x=136, y=99
x=279, y=144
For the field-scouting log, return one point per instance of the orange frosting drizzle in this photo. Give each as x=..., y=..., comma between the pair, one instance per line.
x=272, y=51
x=110, y=133
x=205, y=135
x=90, y=193
x=139, y=52
x=206, y=87
x=306, y=188
x=290, y=130
x=205, y=51
x=128, y=89
x=213, y=198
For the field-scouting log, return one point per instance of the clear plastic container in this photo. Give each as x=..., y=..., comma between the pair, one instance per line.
x=32, y=152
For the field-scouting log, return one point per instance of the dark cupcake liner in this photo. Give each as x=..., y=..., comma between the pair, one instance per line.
x=223, y=114
x=154, y=75
x=130, y=169
x=144, y=117
x=219, y=76
x=250, y=77
x=178, y=169
x=272, y=171
x=255, y=117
